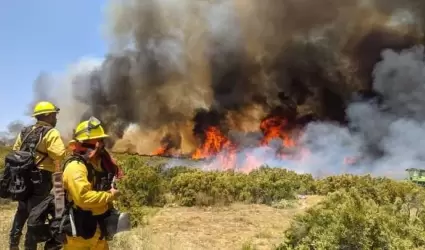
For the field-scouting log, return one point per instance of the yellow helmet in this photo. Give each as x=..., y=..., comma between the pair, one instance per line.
x=44, y=107
x=89, y=129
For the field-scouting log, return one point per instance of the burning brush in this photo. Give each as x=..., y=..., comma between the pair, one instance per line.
x=214, y=144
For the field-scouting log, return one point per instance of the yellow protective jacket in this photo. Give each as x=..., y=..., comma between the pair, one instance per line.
x=80, y=189
x=51, y=144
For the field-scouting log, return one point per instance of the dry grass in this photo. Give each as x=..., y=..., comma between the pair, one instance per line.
x=257, y=226
x=7, y=212
x=233, y=227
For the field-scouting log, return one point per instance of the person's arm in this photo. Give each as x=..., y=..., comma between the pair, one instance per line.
x=55, y=146
x=75, y=175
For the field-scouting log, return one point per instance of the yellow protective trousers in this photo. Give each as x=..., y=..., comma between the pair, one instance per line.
x=78, y=243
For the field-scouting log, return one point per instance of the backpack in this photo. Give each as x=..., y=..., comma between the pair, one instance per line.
x=21, y=172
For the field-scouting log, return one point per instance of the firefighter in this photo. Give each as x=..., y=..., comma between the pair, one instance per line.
x=88, y=187
x=50, y=151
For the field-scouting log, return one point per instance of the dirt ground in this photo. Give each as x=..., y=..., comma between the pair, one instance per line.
x=238, y=226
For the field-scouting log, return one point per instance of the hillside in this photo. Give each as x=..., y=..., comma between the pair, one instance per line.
x=270, y=208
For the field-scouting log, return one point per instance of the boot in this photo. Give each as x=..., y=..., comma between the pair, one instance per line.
x=30, y=243
x=14, y=242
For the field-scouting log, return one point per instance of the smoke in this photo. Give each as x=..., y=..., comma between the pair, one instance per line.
x=178, y=67
x=388, y=140
x=64, y=90
x=7, y=138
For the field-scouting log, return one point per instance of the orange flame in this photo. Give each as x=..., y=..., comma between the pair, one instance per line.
x=159, y=151
x=214, y=143
x=217, y=145
x=274, y=127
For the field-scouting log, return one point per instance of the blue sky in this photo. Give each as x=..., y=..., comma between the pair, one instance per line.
x=46, y=35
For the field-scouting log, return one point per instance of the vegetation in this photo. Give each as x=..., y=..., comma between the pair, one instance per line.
x=148, y=185
x=359, y=212
x=3, y=152
x=382, y=214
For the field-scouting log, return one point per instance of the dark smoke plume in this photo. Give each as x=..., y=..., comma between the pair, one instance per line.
x=237, y=61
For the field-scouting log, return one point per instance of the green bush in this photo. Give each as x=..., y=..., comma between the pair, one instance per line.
x=143, y=185
x=348, y=219
x=344, y=181
x=381, y=190
x=206, y=188
x=266, y=185
x=170, y=173
x=151, y=185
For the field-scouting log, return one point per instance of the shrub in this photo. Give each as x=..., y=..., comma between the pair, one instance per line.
x=141, y=186
x=170, y=173
x=202, y=188
x=349, y=220
x=381, y=190
x=155, y=184
x=273, y=184
x=264, y=185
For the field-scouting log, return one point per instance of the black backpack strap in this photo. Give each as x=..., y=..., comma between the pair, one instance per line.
x=43, y=133
x=24, y=135
x=80, y=158
x=73, y=157
x=26, y=132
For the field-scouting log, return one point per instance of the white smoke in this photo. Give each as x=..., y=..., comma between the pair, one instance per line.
x=63, y=88
x=398, y=132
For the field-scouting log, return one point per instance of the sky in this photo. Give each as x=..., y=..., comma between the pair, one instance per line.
x=47, y=35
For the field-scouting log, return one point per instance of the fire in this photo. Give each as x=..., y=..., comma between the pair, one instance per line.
x=274, y=127
x=163, y=150
x=160, y=151
x=167, y=147
x=214, y=143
